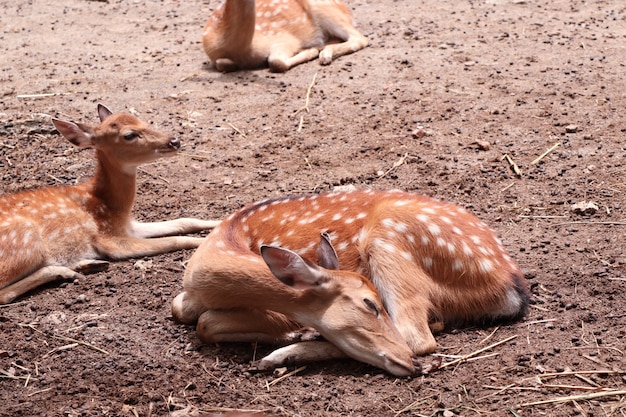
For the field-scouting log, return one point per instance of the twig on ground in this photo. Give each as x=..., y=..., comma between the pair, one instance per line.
x=60, y=349
x=541, y=217
x=396, y=164
x=507, y=187
x=589, y=396
x=39, y=95
x=40, y=391
x=287, y=375
x=543, y=155
x=65, y=338
x=489, y=336
x=237, y=130
x=306, y=102
x=475, y=353
x=512, y=164
x=413, y=405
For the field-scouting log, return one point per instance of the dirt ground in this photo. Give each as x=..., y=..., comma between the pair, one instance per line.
x=447, y=97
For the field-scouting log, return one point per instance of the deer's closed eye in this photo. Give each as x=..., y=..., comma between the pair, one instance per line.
x=371, y=306
x=131, y=136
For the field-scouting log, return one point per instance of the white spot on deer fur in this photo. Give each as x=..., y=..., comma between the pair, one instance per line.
x=441, y=242
x=446, y=219
x=410, y=238
x=407, y=256
x=457, y=265
x=483, y=250
x=434, y=229
x=485, y=265
x=428, y=210
x=336, y=217
x=423, y=218
x=475, y=239
x=361, y=215
x=27, y=237
x=392, y=235
x=307, y=248
x=425, y=240
x=451, y=247
x=457, y=230
x=428, y=262
x=220, y=244
x=349, y=220
x=342, y=246
x=384, y=245
x=466, y=249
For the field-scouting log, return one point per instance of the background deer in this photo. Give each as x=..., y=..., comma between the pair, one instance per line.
x=58, y=232
x=400, y=265
x=246, y=34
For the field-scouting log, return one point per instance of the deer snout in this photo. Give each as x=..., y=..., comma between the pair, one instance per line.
x=174, y=143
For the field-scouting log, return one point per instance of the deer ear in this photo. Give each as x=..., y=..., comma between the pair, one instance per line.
x=289, y=268
x=103, y=112
x=326, y=254
x=78, y=134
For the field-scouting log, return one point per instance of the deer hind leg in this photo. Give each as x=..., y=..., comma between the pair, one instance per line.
x=240, y=325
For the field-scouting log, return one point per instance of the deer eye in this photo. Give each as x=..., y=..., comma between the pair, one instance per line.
x=371, y=306
x=130, y=136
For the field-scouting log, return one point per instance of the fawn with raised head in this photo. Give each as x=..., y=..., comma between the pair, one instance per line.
x=247, y=34
x=59, y=232
x=400, y=264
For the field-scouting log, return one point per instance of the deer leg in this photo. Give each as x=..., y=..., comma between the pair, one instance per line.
x=124, y=248
x=280, y=60
x=172, y=227
x=239, y=325
x=91, y=266
x=225, y=65
x=405, y=290
x=355, y=42
x=41, y=276
x=301, y=352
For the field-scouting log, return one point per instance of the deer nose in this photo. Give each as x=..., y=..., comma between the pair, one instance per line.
x=174, y=143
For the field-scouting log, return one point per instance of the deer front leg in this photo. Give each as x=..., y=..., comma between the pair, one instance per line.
x=36, y=279
x=172, y=227
x=240, y=325
x=124, y=248
x=302, y=352
x=355, y=42
x=225, y=65
x=281, y=60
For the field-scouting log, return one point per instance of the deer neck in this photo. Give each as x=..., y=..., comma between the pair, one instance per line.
x=240, y=16
x=113, y=190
